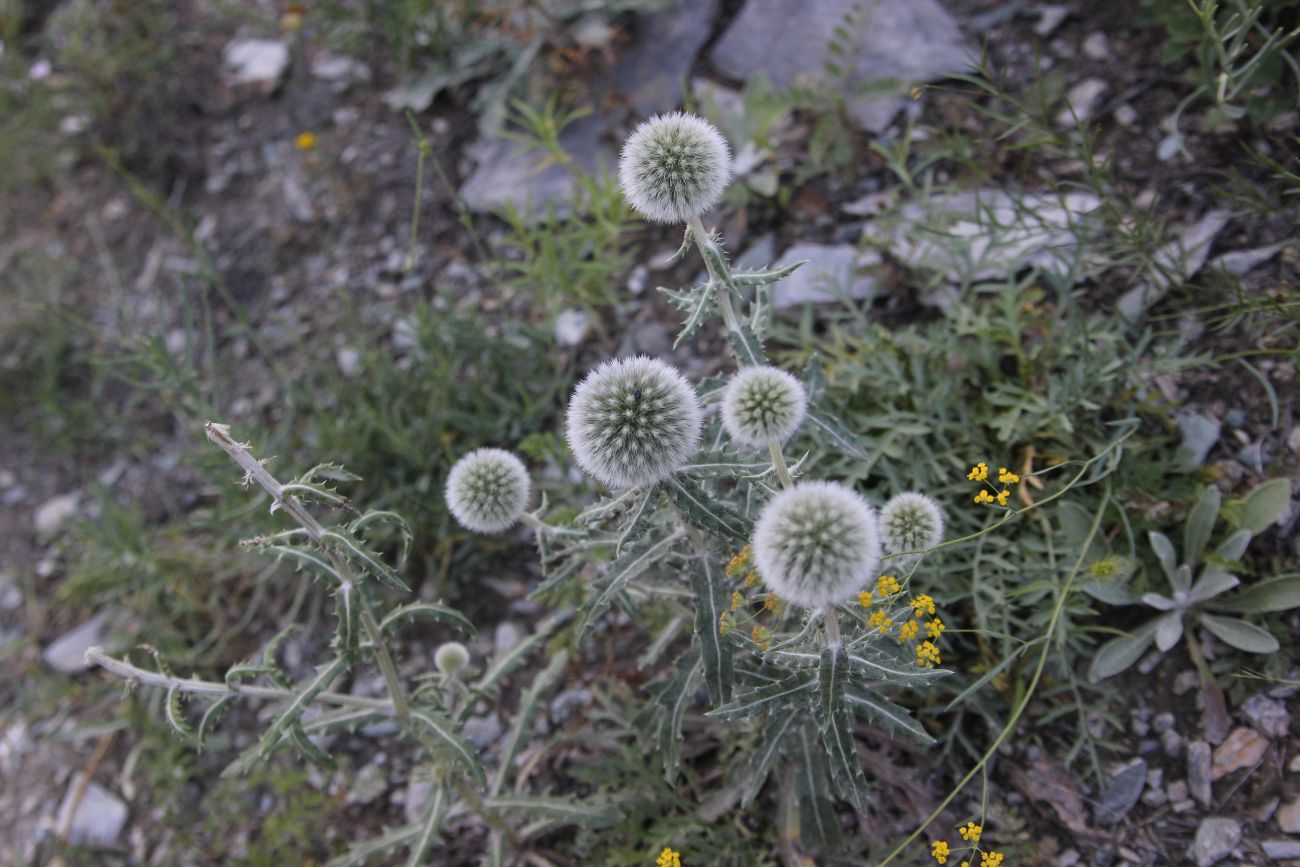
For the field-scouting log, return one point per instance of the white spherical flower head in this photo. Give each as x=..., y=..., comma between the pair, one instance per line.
x=816, y=544
x=910, y=522
x=451, y=658
x=763, y=405
x=487, y=490
x=633, y=421
x=674, y=167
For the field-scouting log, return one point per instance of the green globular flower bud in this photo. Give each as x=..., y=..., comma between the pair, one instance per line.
x=487, y=490
x=674, y=167
x=633, y=422
x=910, y=522
x=816, y=544
x=763, y=405
x=451, y=658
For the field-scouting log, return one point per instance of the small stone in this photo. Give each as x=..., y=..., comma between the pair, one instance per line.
x=53, y=514
x=1265, y=811
x=1240, y=262
x=369, y=783
x=1198, y=771
x=1139, y=727
x=1162, y=722
x=1200, y=433
x=571, y=326
x=564, y=704
x=1126, y=115
x=1096, y=46
x=1294, y=765
x=1288, y=817
x=1169, y=147
x=349, y=360
x=483, y=731
x=1268, y=715
x=1172, y=742
x=257, y=61
x=1185, y=806
x=1215, y=838
x=99, y=818
x=1069, y=858
x=637, y=280
x=1081, y=102
x=417, y=798
x=506, y=637
x=1243, y=749
x=1177, y=791
x=339, y=68
x=1281, y=850
x=1050, y=18
x=67, y=653
x=1121, y=793
x=831, y=273
x=1185, y=681
x=11, y=595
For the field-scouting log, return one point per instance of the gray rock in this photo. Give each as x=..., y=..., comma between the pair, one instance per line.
x=1180, y=259
x=51, y=516
x=11, y=595
x=1081, y=102
x=986, y=234
x=570, y=327
x=564, y=704
x=1288, y=817
x=506, y=637
x=1268, y=715
x=1126, y=115
x=1050, y=17
x=1200, y=433
x=1198, y=771
x=1215, y=838
x=890, y=41
x=483, y=731
x=369, y=783
x=652, y=70
x=1162, y=722
x=67, y=652
x=1171, y=742
x=1177, y=790
x=1069, y=858
x=831, y=273
x=1240, y=262
x=417, y=798
x=339, y=68
x=256, y=61
x=99, y=818
x=1121, y=793
x=1281, y=850
x=1096, y=46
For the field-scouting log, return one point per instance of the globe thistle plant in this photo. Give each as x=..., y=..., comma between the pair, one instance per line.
x=451, y=658
x=674, y=167
x=763, y=405
x=816, y=544
x=487, y=490
x=633, y=421
x=910, y=522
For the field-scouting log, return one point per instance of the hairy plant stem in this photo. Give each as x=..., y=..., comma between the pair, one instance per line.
x=531, y=519
x=778, y=464
x=256, y=472
x=832, y=625
x=704, y=242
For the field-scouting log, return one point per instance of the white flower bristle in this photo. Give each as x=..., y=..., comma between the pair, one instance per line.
x=763, y=405
x=487, y=490
x=910, y=522
x=674, y=167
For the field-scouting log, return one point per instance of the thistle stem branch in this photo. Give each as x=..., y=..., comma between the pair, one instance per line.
x=703, y=241
x=778, y=463
x=832, y=625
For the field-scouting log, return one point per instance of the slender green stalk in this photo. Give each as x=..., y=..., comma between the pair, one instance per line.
x=778, y=464
x=832, y=625
x=703, y=242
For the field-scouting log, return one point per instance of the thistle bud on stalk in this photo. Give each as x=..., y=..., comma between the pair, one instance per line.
x=487, y=490
x=451, y=658
x=674, y=167
x=910, y=522
x=763, y=405
x=633, y=422
x=816, y=544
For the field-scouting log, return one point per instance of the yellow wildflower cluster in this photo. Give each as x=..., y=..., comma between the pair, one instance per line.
x=970, y=832
x=762, y=637
x=742, y=564
x=922, y=605
x=887, y=585
x=726, y=622
x=880, y=620
x=669, y=858
x=866, y=598
x=739, y=564
x=909, y=630
x=927, y=654
x=1006, y=478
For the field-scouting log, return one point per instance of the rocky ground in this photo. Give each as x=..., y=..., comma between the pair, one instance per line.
x=291, y=228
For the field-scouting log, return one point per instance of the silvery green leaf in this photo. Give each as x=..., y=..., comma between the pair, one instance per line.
x=698, y=313
x=828, y=430
x=300, y=557
x=347, y=617
x=710, y=602
x=831, y=674
x=706, y=511
x=638, y=517
x=1158, y=602
x=522, y=724
x=445, y=740
x=213, y=715
x=1264, y=504
x=885, y=714
x=814, y=380
x=309, y=750
x=724, y=464
x=1240, y=634
x=763, y=758
x=382, y=518
x=1110, y=592
x=889, y=666
x=360, y=854
x=1212, y=582
x=769, y=698
x=608, y=508
x=1281, y=593
x=762, y=277
x=175, y=715
x=372, y=562
x=1234, y=546
x=430, y=825
x=562, y=811
x=794, y=659
x=637, y=558
x=1165, y=554
x=1119, y=653
x=1182, y=582
x=746, y=346
x=429, y=611
x=846, y=765
x=507, y=662
x=1169, y=628
x=1196, y=534
x=248, y=670
x=819, y=826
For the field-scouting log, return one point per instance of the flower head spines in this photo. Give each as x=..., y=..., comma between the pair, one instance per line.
x=487, y=490
x=674, y=167
x=633, y=422
x=451, y=658
x=910, y=522
x=763, y=405
x=816, y=543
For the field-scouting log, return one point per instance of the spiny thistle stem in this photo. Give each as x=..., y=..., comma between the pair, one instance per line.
x=135, y=674
x=778, y=463
x=832, y=626
x=531, y=519
x=256, y=472
x=723, y=294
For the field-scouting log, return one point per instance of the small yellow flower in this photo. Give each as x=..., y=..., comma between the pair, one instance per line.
x=772, y=602
x=991, y=859
x=1007, y=477
x=939, y=849
x=909, y=630
x=751, y=579
x=866, y=598
x=1002, y=496
x=886, y=585
x=983, y=497
x=736, y=599
x=971, y=832
x=878, y=620
x=725, y=622
x=669, y=858
x=979, y=472
x=305, y=141
x=739, y=563
x=927, y=655
x=934, y=629
x=761, y=637
x=923, y=604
